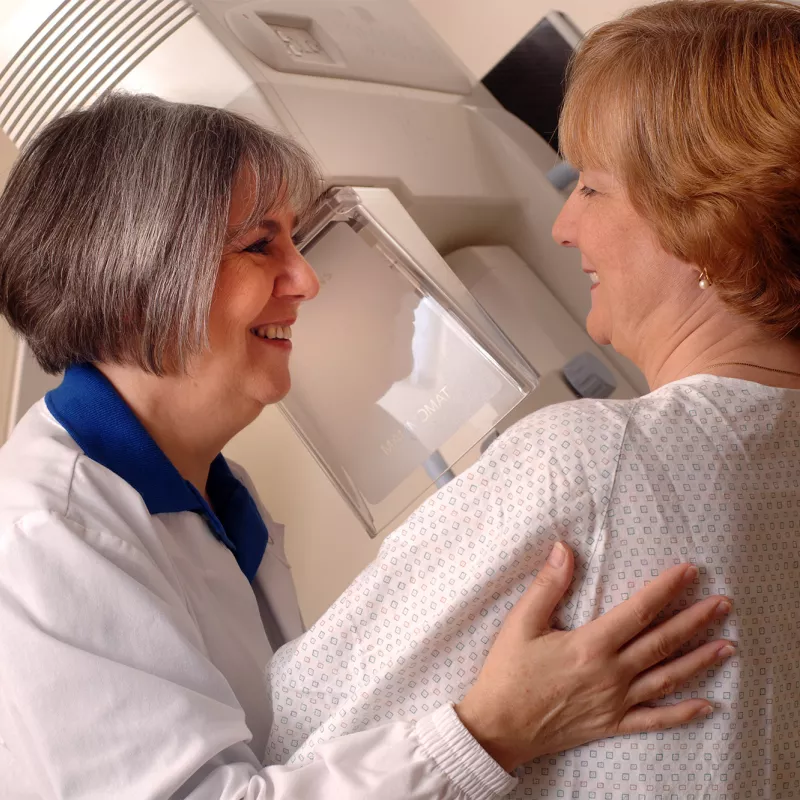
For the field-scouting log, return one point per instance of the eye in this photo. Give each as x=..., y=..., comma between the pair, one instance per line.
x=261, y=247
x=587, y=191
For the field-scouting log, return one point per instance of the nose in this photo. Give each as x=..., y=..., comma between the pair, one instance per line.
x=300, y=282
x=565, y=227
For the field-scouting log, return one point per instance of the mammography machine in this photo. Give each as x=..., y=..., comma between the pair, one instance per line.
x=446, y=309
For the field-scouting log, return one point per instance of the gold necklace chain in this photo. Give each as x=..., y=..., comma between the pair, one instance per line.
x=755, y=366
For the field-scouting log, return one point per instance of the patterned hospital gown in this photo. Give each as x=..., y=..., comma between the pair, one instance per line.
x=705, y=469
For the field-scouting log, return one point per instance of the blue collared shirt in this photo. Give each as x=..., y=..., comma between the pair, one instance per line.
x=105, y=428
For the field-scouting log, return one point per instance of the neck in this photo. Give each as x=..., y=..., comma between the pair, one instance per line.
x=190, y=421
x=706, y=339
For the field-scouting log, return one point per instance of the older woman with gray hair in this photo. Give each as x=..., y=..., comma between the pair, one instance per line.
x=147, y=251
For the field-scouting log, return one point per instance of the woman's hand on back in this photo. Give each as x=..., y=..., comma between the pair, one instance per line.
x=543, y=691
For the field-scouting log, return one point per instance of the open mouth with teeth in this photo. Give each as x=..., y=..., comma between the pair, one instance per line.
x=594, y=279
x=273, y=332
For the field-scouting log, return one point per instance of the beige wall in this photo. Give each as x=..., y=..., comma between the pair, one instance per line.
x=481, y=32
x=8, y=348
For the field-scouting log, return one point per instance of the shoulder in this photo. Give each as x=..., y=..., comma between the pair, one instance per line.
x=44, y=475
x=568, y=432
x=699, y=404
x=575, y=420
x=583, y=435
x=37, y=466
x=561, y=456
x=69, y=526
x=557, y=461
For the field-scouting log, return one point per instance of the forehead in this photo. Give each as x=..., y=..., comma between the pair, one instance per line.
x=597, y=120
x=600, y=178
x=248, y=206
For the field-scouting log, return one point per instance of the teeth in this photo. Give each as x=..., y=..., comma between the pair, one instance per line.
x=273, y=332
x=594, y=278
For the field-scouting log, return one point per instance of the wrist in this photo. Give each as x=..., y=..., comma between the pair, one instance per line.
x=445, y=740
x=488, y=736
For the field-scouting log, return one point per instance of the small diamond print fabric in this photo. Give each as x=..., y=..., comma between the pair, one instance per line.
x=705, y=470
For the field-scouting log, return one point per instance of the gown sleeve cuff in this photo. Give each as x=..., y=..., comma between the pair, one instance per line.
x=444, y=738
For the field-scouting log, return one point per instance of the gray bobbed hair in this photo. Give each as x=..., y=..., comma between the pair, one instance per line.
x=113, y=223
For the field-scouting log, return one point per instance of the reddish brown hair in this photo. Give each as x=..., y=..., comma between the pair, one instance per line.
x=695, y=106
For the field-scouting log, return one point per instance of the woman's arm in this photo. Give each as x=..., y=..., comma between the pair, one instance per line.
x=539, y=692
x=415, y=629
x=107, y=691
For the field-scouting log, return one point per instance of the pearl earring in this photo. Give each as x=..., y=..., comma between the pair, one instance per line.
x=704, y=281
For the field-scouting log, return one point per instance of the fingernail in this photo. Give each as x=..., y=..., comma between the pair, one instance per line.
x=724, y=607
x=704, y=711
x=557, y=555
x=727, y=651
x=691, y=572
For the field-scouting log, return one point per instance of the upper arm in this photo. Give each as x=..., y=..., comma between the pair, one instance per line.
x=554, y=474
x=547, y=478
x=444, y=581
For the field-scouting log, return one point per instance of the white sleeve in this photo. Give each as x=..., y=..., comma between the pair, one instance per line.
x=106, y=691
x=434, y=759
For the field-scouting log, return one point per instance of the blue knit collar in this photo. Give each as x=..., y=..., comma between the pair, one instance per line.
x=105, y=428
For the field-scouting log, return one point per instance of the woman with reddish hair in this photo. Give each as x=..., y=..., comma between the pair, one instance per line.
x=683, y=118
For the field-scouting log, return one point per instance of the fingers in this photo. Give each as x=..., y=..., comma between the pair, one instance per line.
x=630, y=618
x=539, y=602
x=664, y=680
x=642, y=718
x=666, y=638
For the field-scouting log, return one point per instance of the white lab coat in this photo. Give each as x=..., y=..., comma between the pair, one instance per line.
x=133, y=653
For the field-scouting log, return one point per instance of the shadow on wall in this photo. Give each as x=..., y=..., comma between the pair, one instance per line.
x=8, y=342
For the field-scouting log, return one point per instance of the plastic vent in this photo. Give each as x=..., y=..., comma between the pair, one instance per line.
x=84, y=48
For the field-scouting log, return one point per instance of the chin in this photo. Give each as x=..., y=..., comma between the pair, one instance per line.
x=597, y=332
x=267, y=393
x=274, y=395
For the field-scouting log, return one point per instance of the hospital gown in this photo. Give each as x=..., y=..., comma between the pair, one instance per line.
x=705, y=470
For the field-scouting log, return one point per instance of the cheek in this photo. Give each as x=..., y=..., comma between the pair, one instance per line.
x=241, y=294
x=604, y=245
x=626, y=262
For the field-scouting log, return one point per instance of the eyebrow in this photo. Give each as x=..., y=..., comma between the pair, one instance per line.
x=271, y=226
x=274, y=227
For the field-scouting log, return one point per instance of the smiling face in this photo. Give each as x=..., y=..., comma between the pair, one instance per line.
x=636, y=284
x=262, y=282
